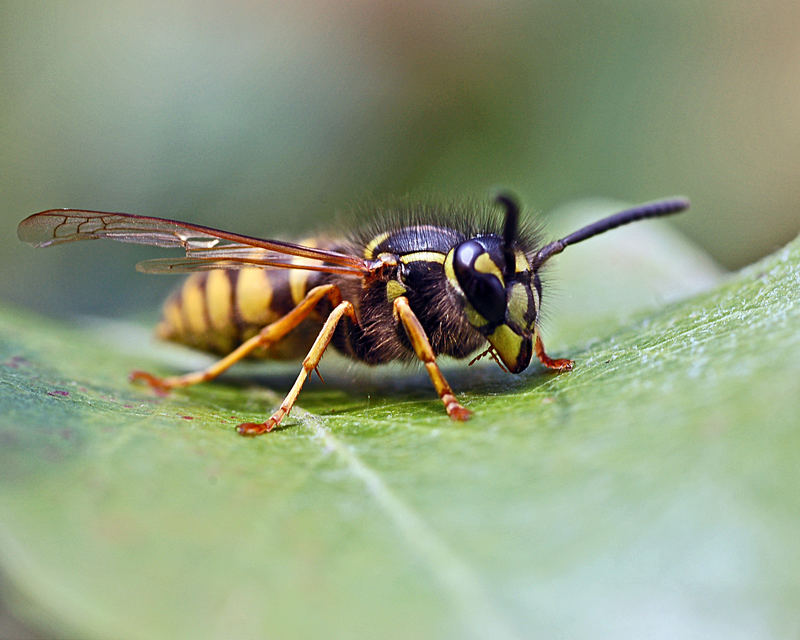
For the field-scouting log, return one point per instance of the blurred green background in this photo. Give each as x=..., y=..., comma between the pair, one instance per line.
x=269, y=118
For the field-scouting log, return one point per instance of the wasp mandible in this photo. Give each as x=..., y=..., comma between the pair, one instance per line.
x=417, y=283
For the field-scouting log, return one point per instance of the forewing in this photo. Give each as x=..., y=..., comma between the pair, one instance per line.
x=187, y=265
x=58, y=226
x=206, y=247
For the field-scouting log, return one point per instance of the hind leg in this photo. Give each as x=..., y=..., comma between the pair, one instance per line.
x=269, y=335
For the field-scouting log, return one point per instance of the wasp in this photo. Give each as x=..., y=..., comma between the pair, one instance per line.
x=415, y=284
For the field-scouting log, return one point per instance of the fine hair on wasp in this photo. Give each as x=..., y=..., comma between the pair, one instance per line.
x=416, y=283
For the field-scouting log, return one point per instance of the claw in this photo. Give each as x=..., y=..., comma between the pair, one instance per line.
x=560, y=364
x=459, y=413
x=256, y=428
x=156, y=383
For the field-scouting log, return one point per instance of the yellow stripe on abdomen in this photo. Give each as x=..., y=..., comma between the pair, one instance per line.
x=219, y=309
x=219, y=301
x=171, y=325
x=193, y=303
x=253, y=297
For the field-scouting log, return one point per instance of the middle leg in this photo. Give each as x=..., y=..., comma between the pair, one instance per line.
x=309, y=364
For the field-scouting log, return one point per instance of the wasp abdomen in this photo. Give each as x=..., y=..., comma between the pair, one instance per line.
x=218, y=310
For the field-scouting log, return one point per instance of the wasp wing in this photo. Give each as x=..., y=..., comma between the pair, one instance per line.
x=206, y=247
x=187, y=265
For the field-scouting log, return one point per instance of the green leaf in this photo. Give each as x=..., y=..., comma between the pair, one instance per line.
x=651, y=492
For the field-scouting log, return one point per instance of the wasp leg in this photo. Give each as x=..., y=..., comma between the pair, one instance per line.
x=270, y=334
x=560, y=364
x=422, y=347
x=309, y=364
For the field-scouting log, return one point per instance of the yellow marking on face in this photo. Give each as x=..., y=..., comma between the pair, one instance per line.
x=218, y=299
x=507, y=344
x=484, y=264
x=518, y=303
x=423, y=256
x=194, y=305
x=473, y=317
x=253, y=295
x=369, y=250
x=394, y=289
x=450, y=272
x=521, y=263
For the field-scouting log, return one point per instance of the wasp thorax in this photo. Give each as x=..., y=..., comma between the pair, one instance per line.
x=499, y=298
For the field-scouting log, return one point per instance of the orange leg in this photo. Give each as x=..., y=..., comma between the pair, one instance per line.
x=422, y=347
x=270, y=334
x=560, y=364
x=309, y=364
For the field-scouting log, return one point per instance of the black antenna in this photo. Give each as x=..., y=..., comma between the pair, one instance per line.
x=643, y=211
x=509, y=202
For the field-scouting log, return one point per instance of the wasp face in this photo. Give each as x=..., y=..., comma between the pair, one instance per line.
x=501, y=299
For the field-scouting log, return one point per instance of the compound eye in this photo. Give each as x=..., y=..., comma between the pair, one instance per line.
x=479, y=279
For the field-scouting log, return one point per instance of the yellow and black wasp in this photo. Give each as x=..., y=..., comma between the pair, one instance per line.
x=415, y=284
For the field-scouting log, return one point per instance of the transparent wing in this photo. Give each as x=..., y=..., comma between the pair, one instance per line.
x=187, y=265
x=206, y=247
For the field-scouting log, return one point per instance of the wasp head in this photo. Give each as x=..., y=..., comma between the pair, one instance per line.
x=500, y=291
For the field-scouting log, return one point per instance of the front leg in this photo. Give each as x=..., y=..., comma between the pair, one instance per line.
x=560, y=364
x=422, y=347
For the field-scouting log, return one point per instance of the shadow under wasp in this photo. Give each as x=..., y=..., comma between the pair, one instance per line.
x=416, y=283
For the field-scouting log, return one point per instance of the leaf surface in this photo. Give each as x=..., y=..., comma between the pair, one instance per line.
x=650, y=492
